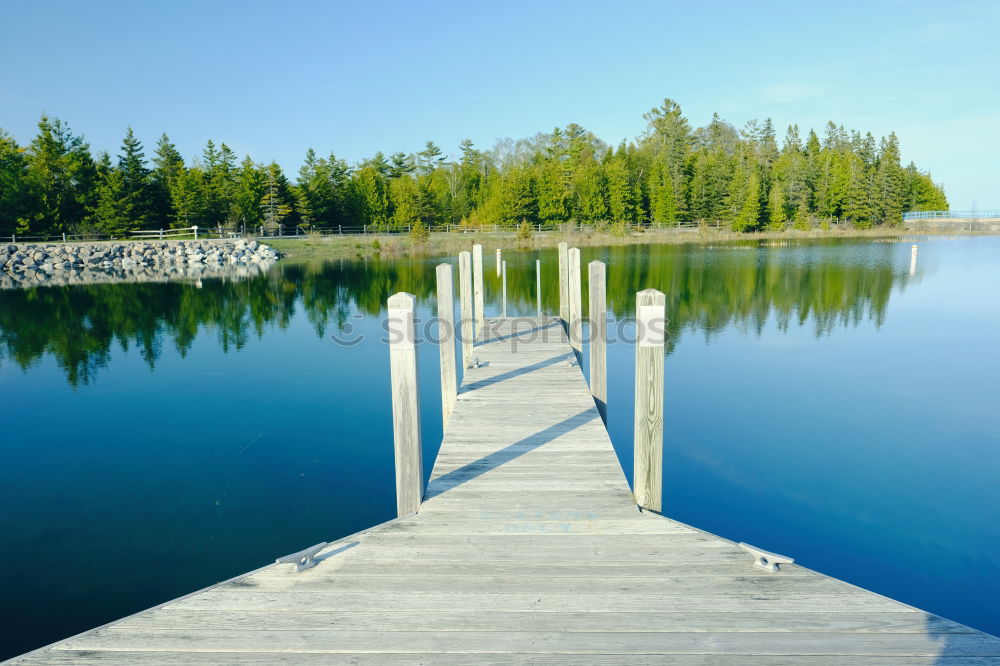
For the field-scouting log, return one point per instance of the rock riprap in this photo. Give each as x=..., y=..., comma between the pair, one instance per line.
x=28, y=264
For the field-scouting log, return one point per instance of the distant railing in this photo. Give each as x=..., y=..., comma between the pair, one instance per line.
x=18, y=238
x=165, y=233
x=537, y=227
x=952, y=214
x=305, y=231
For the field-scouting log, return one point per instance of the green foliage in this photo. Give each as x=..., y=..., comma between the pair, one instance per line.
x=168, y=167
x=748, y=217
x=112, y=212
x=405, y=194
x=524, y=231
x=801, y=221
x=251, y=185
x=16, y=198
x=188, y=198
x=275, y=205
x=776, y=212
x=671, y=174
x=663, y=203
x=61, y=176
x=136, y=184
x=419, y=231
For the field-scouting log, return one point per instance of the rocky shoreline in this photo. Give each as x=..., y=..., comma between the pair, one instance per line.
x=84, y=263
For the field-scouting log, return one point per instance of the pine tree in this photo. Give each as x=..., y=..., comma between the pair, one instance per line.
x=249, y=190
x=662, y=202
x=112, y=212
x=430, y=157
x=621, y=197
x=62, y=175
x=801, y=221
x=303, y=207
x=167, y=166
x=857, y=207
x=921, y=192
x=401, y=165
x=274, y=205
x=551, y=193
x=749, y=214
x=188, y=198
x=136, y=184
x=220, y=184
x=372, y=192
x=777, y=215
x=406, y=204
x=589, y=189
x=890, y=183
x=16, y=198
x=517, y=199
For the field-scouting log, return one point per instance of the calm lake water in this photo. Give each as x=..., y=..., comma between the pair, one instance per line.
x=821, y=402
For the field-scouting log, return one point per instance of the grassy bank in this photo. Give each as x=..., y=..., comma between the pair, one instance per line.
x=340, y=247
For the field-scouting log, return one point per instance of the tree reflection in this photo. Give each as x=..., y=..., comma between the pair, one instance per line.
x=707, y=289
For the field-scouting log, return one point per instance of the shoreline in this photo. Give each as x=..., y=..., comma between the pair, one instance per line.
x=395, y=245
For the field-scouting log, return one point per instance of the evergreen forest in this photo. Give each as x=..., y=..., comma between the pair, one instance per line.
x=746, y=179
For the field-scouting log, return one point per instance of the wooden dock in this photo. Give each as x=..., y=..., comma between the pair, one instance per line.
x=529, y=547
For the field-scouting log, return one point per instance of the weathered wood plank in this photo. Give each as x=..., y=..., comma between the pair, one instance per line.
x=251, y=597
x=596, y=642
x=377, y=659
x=575, y=621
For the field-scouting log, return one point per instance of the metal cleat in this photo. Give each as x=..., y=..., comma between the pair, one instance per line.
x=304, y=559
x=765, y=560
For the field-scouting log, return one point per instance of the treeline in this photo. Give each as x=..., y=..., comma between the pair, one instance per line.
x=714, y=174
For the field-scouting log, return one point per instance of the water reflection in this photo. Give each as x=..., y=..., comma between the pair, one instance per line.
x=827, y=285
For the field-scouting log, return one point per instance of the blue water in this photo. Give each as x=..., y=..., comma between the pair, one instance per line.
x=821, y=402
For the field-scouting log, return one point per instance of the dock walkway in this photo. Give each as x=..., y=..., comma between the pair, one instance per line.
x=529, y=548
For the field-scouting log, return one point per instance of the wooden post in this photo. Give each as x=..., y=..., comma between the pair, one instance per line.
x=503, y=301
x=575, y=302
x=563, y=294
x=538, y=285
x=477, y=288
x=405, y=404
x=446, y=339
x=598, y=316
x=64, y=236
x=651, y=324
x=465, y=296
x=913, y=260
x=499, y=258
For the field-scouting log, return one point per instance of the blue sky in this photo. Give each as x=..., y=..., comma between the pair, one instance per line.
x=272, y=79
